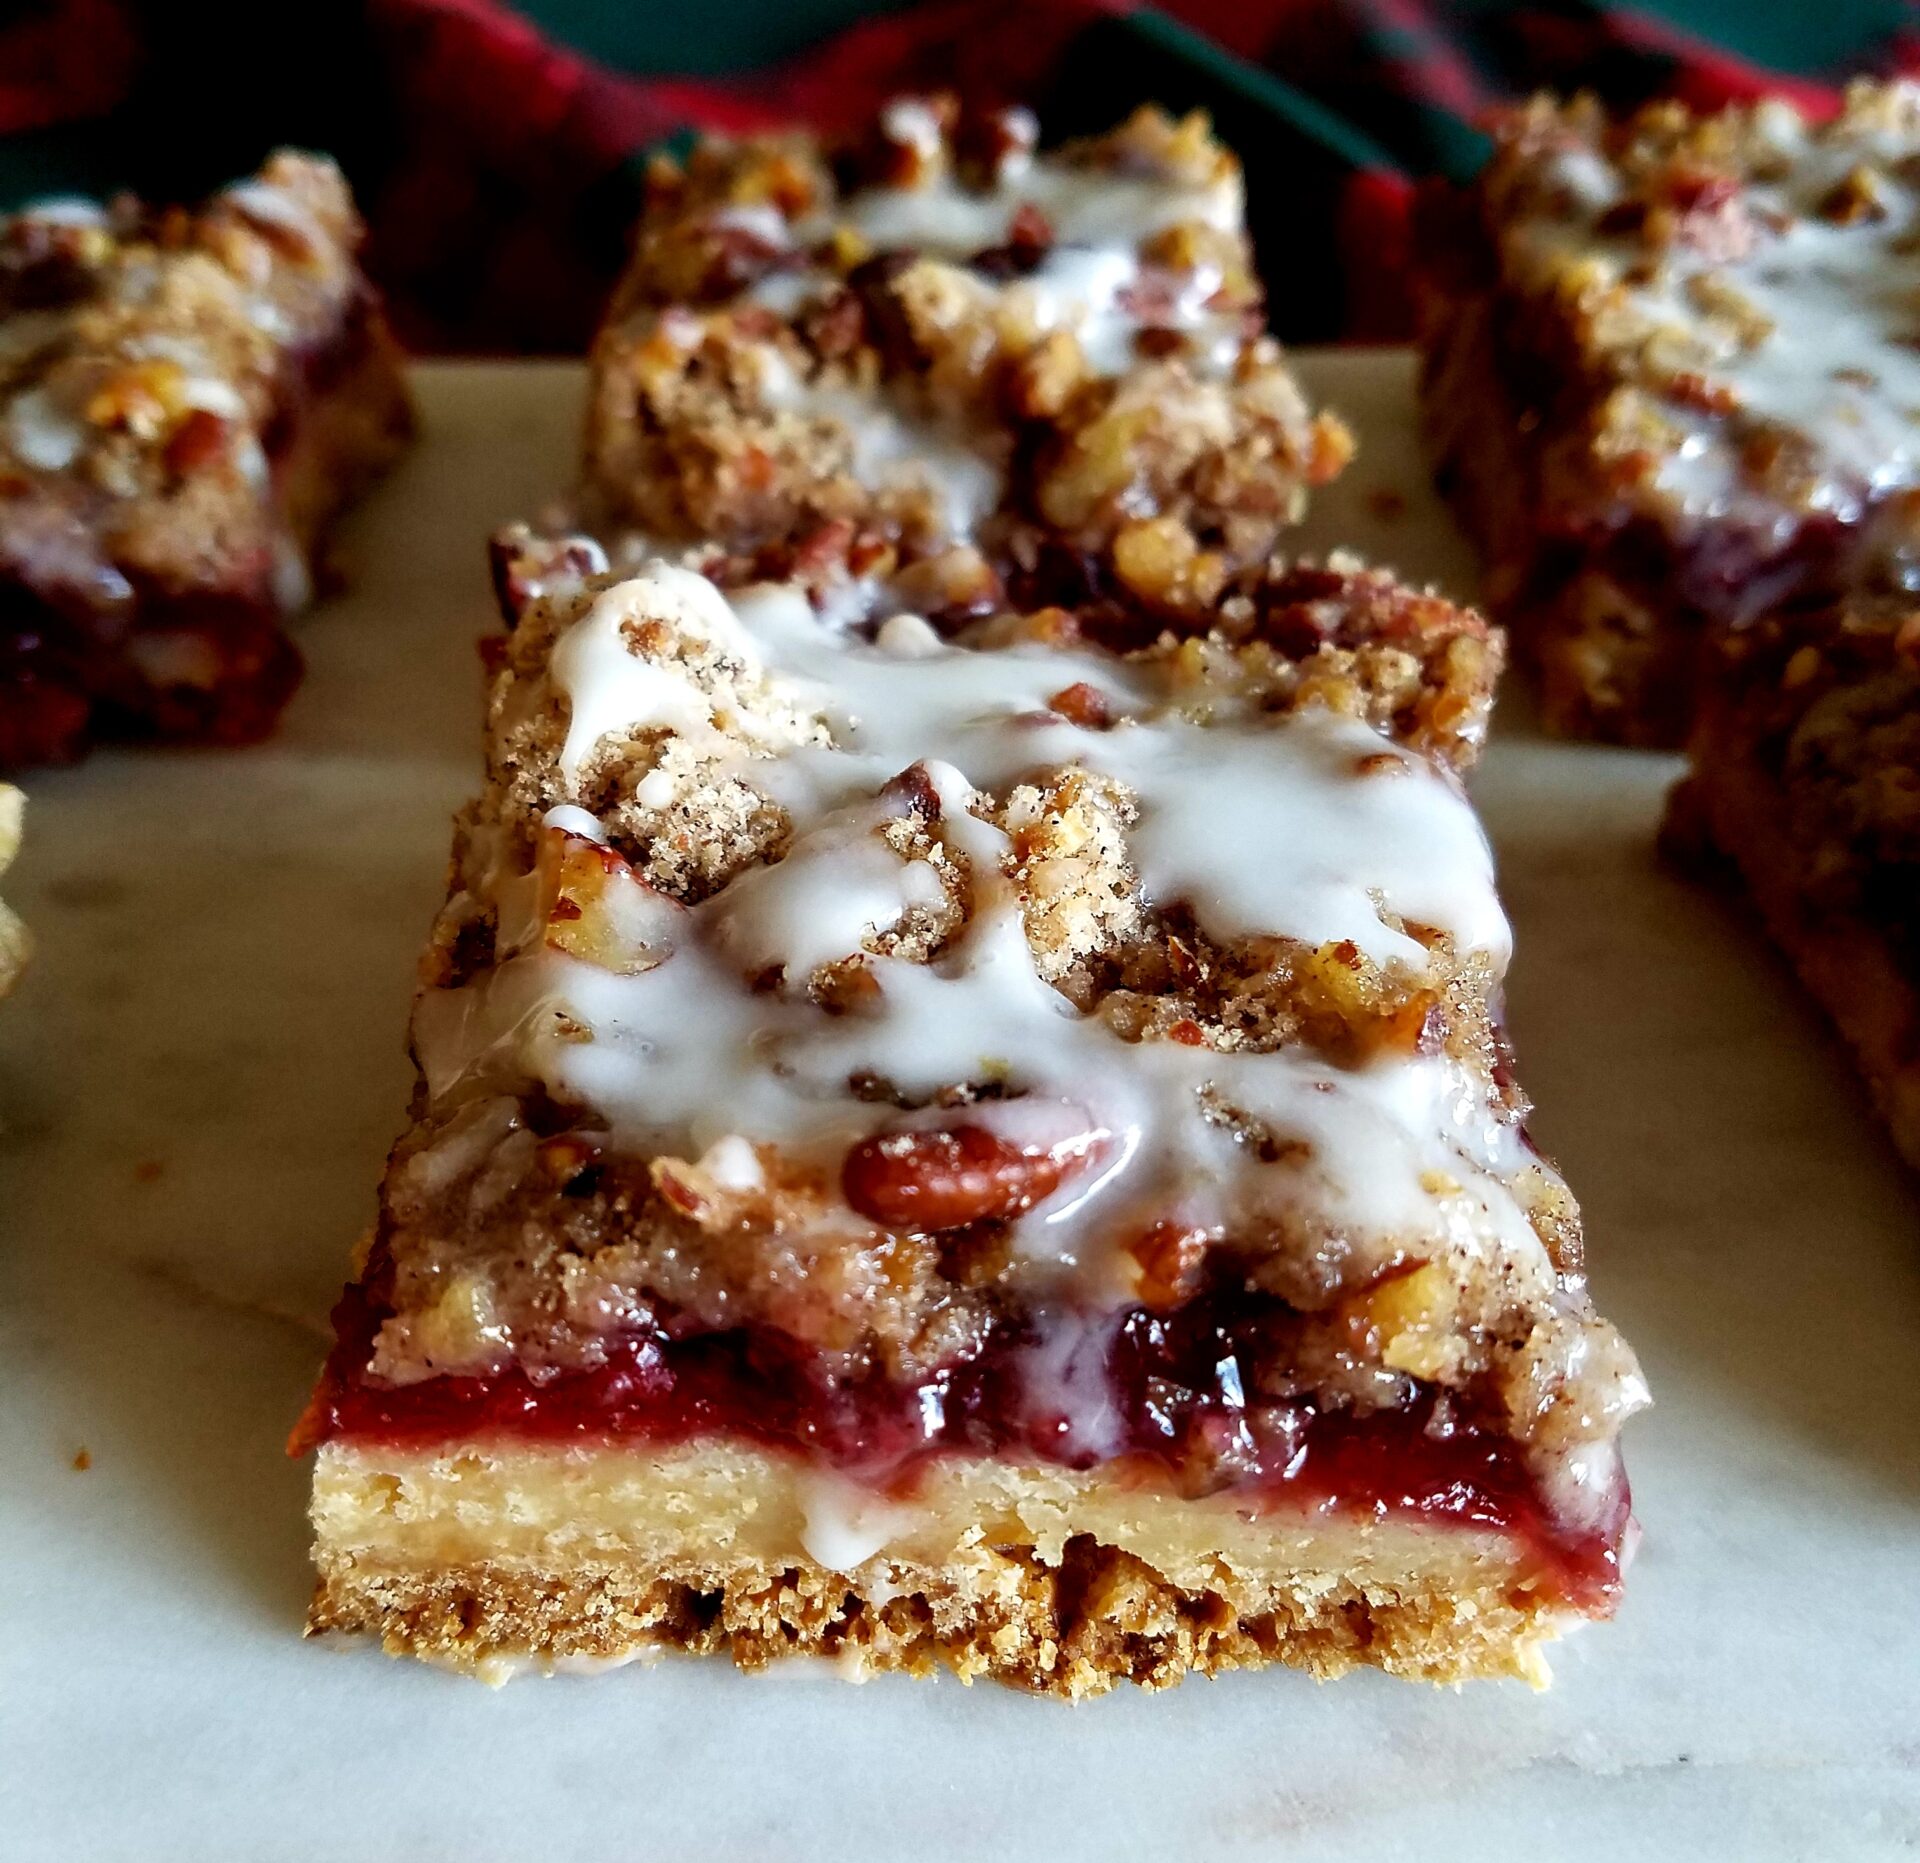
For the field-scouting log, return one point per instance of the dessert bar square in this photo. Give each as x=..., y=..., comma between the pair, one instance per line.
x=1805, y=780
x=963, y=1117
x=187, y=400
x=989, y=1146
x=1669, y=369
x=1057, y=359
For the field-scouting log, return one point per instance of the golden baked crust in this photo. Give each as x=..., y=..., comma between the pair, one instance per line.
x=1060, y=1611
x=1071, y=1632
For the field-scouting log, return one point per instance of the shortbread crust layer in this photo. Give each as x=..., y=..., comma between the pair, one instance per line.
x=487, y=1556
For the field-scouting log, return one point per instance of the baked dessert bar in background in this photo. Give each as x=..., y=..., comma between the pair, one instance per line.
x=1805, y=777
x=187, y=400
x=982, y=1145
x=14, y=942
x=1669, y=367
x=1058, y=359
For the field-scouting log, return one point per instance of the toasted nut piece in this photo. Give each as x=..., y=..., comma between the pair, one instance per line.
x=948, y=1178
x=596, y=908
x=1410, y=1317
x=1169, y=1257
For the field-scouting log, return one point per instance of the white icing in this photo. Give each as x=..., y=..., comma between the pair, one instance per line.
x=275, y=206
x=909, y=122
x=1423, y=851
x=761, y=219
x=890, y=445
x=909, y=637
x=42, y=433
x=1840, y=298
x=571, y=820
x=612, y=690
x=250, y=460
x=499, y=1667
x=838, y=885
x=1084, y=205
x=292, y=580
x=1067, y=1391
x=462, y=1146
x=66, y=210
x=1261, y=825
x=1090, y=279
x=845, y=1523
x=213, y=396
x=1097, y=292
x=786, y=291
x=733, y=1164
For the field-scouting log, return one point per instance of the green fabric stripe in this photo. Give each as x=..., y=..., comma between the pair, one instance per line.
x=1259, y=87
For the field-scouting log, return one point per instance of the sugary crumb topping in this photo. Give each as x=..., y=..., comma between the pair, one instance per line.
x=811, y=966
x=1725, y=306
x=938, y=333
x=142, y=357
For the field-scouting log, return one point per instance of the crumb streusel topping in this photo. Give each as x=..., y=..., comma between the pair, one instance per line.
x=939, y=333
x=809, y=968
x=143, y=356
x=1735, y=300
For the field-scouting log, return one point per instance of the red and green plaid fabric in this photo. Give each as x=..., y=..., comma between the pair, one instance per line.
x=499, y=167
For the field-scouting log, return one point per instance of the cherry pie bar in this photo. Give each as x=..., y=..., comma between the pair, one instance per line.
x=1058, y=360
x=1805, y=781
x=963, y=1115
x=1671, y=364
x=187, y=400
x=985, y=1146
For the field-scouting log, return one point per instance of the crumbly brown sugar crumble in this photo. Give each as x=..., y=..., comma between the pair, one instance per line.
x=936, y=336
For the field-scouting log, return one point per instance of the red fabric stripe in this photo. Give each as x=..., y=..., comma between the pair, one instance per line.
x=495, y=214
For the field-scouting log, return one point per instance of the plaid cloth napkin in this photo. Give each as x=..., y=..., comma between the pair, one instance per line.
x=499, y=168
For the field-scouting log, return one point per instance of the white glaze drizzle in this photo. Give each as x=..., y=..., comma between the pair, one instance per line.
x=1086, y=282
x=892, y=444
x=42, y=433
x=1293, y=826
x=845, y=1523
x=1839, y=299
x=1084, y=204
